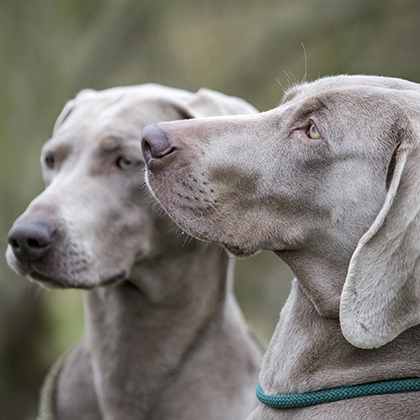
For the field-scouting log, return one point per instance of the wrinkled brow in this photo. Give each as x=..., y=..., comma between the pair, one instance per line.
x=60, y=151
x=110, y=144
x=309, y=108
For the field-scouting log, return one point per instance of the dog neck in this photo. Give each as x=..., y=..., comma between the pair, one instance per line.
x=321, y=279
x=308, y=351
x=139, y=333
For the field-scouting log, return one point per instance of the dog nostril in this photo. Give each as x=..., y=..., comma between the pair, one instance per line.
x=13, y=243
x=155, y=143
x=33, y=243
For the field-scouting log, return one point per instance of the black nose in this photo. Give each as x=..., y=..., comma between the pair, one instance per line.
x=31, y=240
x=155, y=143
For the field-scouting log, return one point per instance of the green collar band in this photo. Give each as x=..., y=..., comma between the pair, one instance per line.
x=337, y=394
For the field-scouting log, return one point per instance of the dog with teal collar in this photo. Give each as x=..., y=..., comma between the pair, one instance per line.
x=329, y=181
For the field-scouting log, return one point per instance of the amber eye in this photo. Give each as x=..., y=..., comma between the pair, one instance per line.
x=125, y=163
x=313, y=132
x=49, y=161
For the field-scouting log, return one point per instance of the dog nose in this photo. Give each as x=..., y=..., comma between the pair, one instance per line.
x=31, y=240
x=155, y=143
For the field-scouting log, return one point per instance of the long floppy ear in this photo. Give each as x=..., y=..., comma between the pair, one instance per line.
x=381, y=295
x=209, y=103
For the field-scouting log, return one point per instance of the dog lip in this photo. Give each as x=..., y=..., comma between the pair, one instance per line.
x=47, y=281
x=157, y=163
x=115, y=279
x=63, y=283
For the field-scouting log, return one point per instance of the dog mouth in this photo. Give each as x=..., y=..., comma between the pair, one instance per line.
x=63, y=283
x=47, y=282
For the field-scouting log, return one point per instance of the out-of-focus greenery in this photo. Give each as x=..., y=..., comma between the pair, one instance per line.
x=49, y=50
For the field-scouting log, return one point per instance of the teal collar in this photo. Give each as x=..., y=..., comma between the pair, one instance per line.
x=337, y=394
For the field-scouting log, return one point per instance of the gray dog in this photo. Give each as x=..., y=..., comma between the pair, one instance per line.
x=164, y=338
x=330, y=181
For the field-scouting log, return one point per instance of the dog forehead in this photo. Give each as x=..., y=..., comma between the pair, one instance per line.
x=353, y=104
x=147, y=92
x=374, y=85
x=119, y=112
x=97, y=116
x=133, y=106
x=310, y=95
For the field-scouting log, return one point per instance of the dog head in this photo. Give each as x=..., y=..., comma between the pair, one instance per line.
x=329, y=175
x=95, y=221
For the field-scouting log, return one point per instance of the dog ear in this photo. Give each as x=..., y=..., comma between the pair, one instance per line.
x=381, y=294
x=209, y=103
x=69, y=106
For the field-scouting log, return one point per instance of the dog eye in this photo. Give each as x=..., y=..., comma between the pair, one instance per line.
x=313, y=132
x=125, y=163
x=49, y=161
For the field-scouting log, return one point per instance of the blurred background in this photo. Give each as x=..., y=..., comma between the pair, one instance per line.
x=50, y=50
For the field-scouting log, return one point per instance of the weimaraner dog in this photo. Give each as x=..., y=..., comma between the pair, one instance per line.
x=164, y=338
x=330, y=181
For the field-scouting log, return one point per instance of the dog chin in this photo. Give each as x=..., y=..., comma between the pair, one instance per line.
x=235, y=249
x=238, y=251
